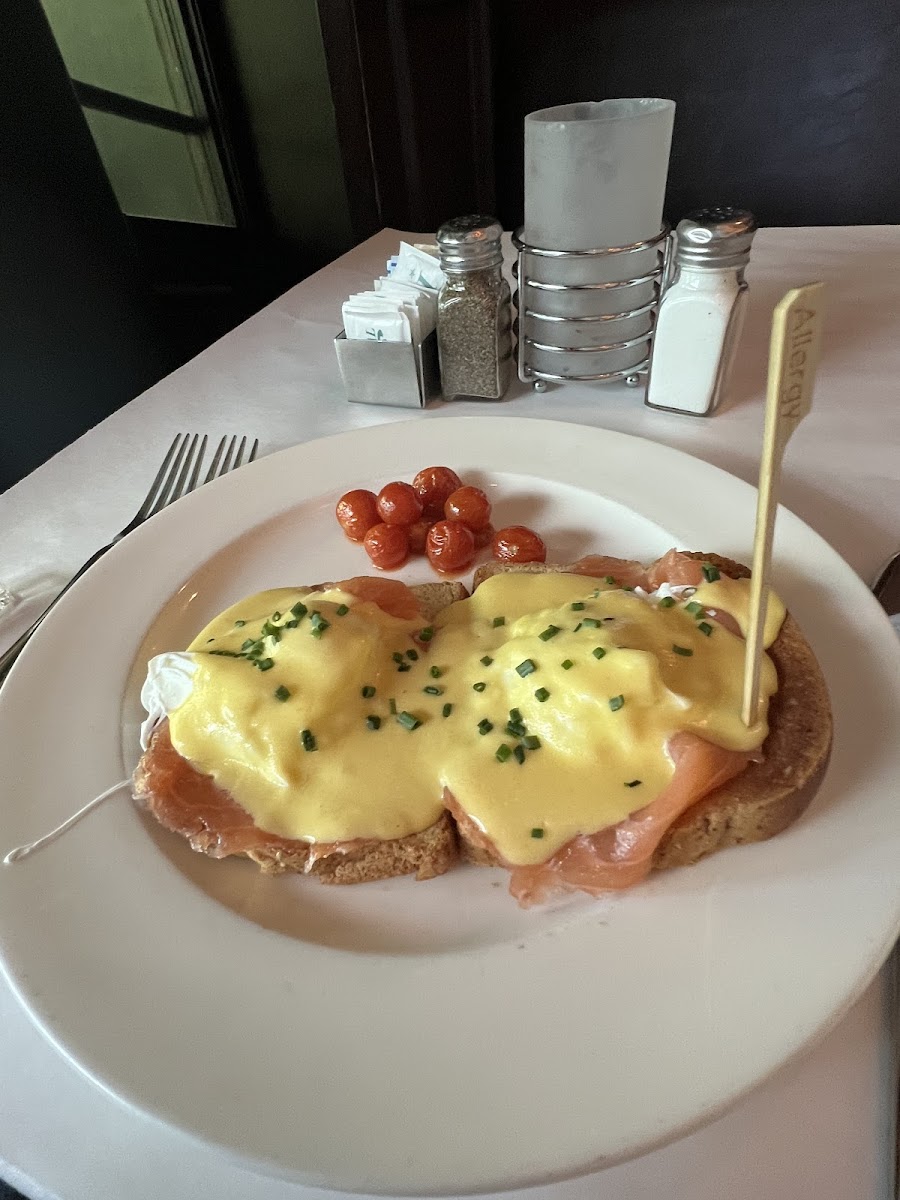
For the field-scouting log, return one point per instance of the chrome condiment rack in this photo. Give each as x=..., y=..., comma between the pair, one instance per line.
x=658, y=277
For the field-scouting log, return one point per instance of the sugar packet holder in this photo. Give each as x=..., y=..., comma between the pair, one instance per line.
x=394, y=374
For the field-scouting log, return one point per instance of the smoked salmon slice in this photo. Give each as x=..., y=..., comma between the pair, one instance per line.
x=189, y=803
x=391, y=595
x=622, y=855
x=626, y=572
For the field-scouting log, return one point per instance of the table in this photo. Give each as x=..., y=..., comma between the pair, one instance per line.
x=824, y=1125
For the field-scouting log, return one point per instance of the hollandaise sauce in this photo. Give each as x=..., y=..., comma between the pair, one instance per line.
x=544, y=703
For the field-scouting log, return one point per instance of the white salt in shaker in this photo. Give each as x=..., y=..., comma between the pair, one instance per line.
x=701, y=312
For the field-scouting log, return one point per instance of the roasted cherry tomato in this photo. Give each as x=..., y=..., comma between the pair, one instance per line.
x=417, y=534
x=398, y=504
x=517, y=544
x=450, y=546
x=469, y=505
x=387, y=546
x=356, y=513
x=433, y=486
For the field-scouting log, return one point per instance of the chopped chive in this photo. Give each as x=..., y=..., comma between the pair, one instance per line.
x=276, y=615
x=342, y=610
x=299, y=610
x=282, y=693
x=526, y=667
x=598, y=652
x=404, y=666
x=519, y=754
x=567, y=664
x=373, y=722
x=633, y=783
x=683, y=651
x=367, y=692
x=392, y=706
x=270, y=630
x=225, y=653
x=307, y=740
x=705, y=628
x=515, y=729
x=710, y=573
x=609, y=579
x=498, y=621
x=484, y=726
x=578, y=606
x=627, y=589
x=541, y=695
x=425, y=635
x=550, y=632
x=319, y=624
x=616, y=702
x=397, y=656
x=431, y=690
x=408, y=721
x=537, y=833
x=479, y=687
x=531, y=742
x=486, y=661
x=591, y=623
x=503, y=752
x=290, y=624
x=412, y=655
x=240, y=624
x=667, y=602
x=246, y=645
x=435, y=672
x=264, y=664
x=515, y=714
x=596, y=593
x=693, y=607
x=446, y=710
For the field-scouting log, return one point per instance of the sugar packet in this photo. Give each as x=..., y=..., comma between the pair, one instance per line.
x=418, y=267
x=370, y=317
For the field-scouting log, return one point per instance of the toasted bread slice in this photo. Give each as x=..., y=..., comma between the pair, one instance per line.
x=767, y=796
x=162, y=779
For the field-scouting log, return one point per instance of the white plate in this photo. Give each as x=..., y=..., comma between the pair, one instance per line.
x=426, y=1038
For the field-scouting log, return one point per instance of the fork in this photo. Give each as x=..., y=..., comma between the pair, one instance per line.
x=178, y=475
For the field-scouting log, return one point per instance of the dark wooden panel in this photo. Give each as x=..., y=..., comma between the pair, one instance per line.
x=411, y=83
x=787, y=109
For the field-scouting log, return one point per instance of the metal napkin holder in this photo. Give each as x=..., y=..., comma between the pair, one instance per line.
x=398, y=374
x=527, y=277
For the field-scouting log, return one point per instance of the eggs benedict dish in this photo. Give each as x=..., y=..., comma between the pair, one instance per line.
x=577, y=725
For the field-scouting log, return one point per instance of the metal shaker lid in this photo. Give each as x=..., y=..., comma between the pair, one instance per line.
x=470, y=243
x=715, y=237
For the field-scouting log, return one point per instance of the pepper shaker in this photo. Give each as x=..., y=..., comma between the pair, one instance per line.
x=474, y=320
x=701, y=312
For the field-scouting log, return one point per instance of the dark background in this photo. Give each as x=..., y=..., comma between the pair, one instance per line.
x=787, y=109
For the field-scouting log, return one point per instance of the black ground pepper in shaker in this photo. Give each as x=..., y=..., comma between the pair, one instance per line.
x=474, y=318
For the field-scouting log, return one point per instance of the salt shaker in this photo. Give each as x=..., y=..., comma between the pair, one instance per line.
x=701, y=312
x=474, y=319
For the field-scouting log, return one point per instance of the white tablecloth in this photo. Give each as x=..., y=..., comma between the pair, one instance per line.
x=823, y=1127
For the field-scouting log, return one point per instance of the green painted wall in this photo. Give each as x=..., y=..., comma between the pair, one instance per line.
x=138, y=48
x=281, y=60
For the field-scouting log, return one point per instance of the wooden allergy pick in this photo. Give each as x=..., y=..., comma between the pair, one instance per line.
x=793, y=358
